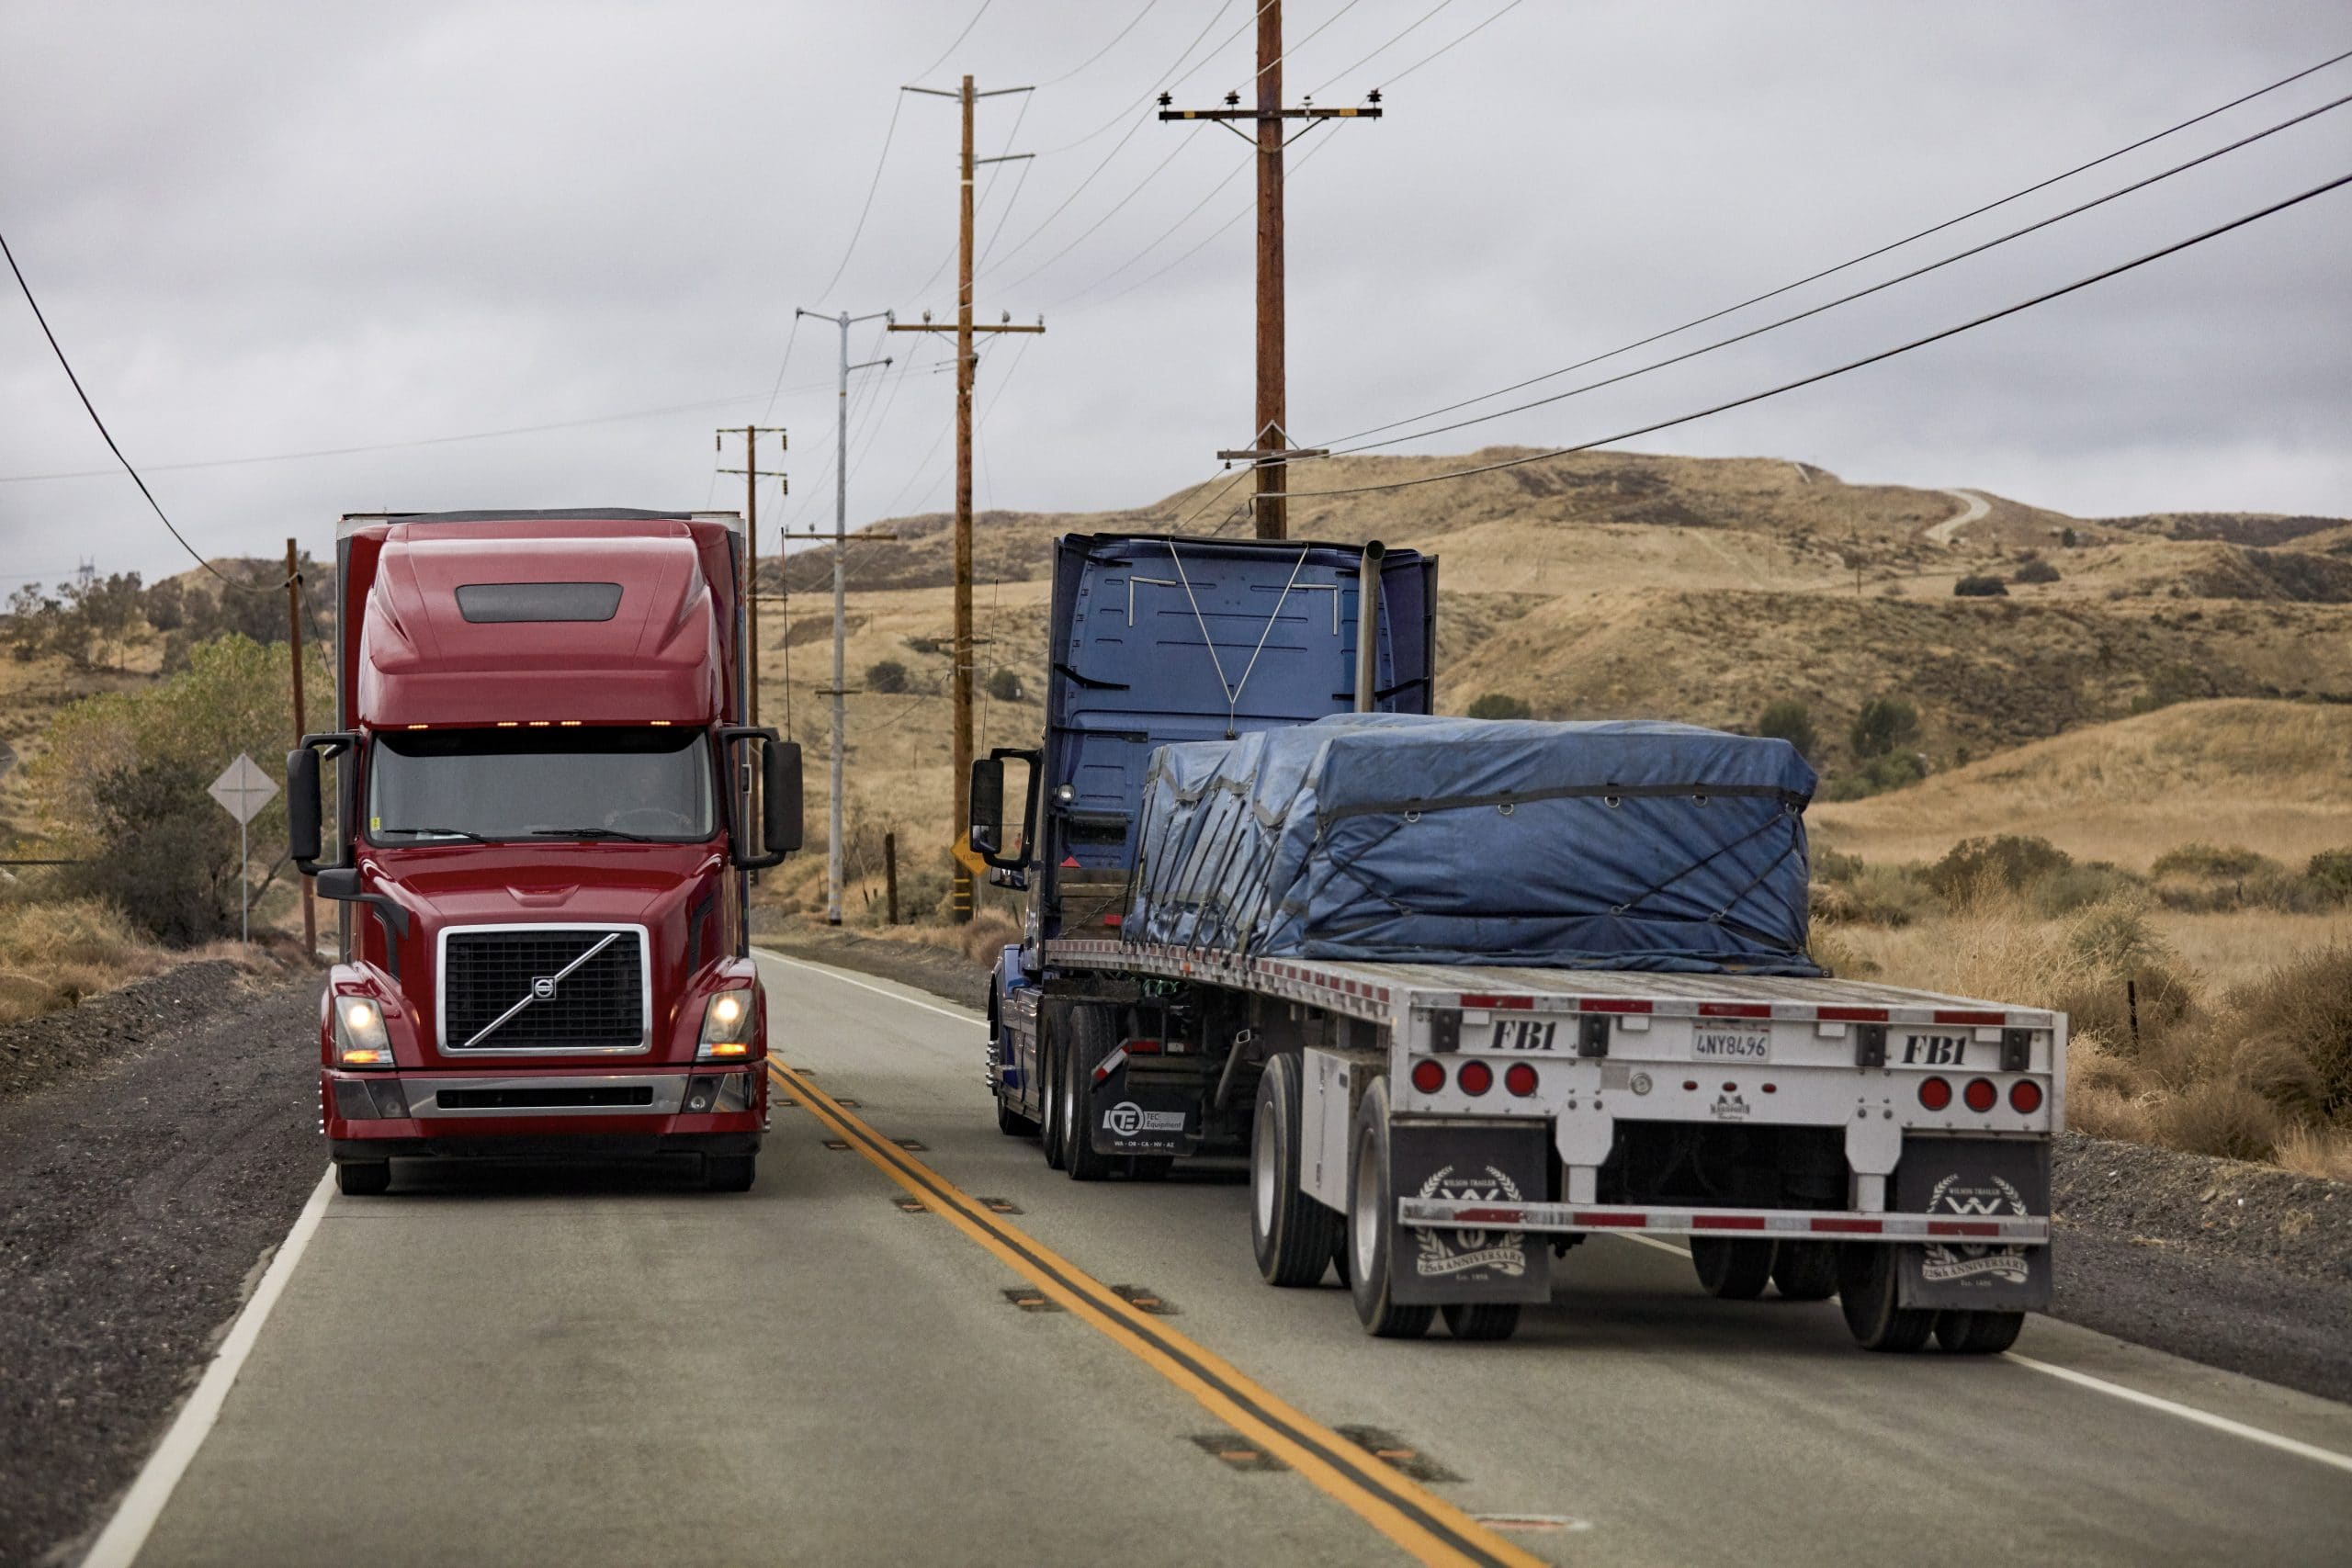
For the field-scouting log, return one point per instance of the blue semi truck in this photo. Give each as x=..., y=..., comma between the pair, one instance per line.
x=1427, y=976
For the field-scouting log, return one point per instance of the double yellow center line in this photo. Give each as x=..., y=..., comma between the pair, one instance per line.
x=1425, y=1526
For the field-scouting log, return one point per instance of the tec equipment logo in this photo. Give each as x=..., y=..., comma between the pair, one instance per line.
x=1126, y=1119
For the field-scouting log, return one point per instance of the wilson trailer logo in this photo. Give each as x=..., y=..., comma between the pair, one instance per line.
x=1447, y=1253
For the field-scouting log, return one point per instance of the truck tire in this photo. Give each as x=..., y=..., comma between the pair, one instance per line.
x=1806, y=1271
x=729, y=1173
x=1978, y=1333
x=1049, y=1091
x=363, y=1178
x=1292, y=1233
x=1732, y=1270
x=1372, y=1203
x=1866, y=1291
x=1482, y=1320
x=1094, y=1030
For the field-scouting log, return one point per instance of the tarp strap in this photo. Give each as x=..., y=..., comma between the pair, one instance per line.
x=1232, y=688
x=1573, y=791
x=1719, y=916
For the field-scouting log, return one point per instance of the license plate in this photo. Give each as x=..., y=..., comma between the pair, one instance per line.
x=1732, y=1046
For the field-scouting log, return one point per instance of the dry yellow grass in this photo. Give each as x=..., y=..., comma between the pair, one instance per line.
x=2268, y=776
x=54, y=953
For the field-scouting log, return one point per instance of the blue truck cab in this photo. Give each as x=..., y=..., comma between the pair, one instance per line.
x=1153, y=640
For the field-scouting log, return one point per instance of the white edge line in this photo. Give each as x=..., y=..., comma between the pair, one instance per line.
x=119, y=1544
x=831, y=972
x=2191, y=1413
x=2185, y=1411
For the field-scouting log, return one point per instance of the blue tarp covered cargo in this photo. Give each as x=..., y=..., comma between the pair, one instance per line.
x=1400, y=838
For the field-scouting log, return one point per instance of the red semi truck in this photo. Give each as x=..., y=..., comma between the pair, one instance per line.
x=548, y=800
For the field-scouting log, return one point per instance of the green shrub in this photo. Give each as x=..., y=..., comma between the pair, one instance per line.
x=1889, y=896
x=2330, y=872
x=1977, y=586
x=1499, y=705
x=2010, y=863
x=2036, y=570
x=2071, y=887
x=1835, y=866
x=1786, y=718
x=1883, y=724
x=2306, y=1005
x=2066, y=538
x=888, y=677
x=1896, y=770
x=2211, y=861
x=1004, y=686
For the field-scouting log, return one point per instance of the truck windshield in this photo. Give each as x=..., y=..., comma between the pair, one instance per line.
x=450, y=785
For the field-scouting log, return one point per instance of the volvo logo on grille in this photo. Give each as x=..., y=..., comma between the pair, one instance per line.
x=543, y=988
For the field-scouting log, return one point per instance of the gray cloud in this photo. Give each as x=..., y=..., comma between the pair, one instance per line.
x=267, y=228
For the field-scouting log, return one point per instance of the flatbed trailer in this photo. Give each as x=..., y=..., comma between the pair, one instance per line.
x=1439, y=1134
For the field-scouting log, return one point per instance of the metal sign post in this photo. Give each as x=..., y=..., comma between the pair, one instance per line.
x=243, y=789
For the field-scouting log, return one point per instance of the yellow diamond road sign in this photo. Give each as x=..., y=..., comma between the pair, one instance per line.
x=243, y=789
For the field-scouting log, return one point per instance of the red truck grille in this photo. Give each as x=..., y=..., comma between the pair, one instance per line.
x=595, y=1004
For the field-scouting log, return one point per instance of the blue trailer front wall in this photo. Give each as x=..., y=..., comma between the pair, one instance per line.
x=1157, y=640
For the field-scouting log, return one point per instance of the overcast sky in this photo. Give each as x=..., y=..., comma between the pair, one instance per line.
x=264, y=229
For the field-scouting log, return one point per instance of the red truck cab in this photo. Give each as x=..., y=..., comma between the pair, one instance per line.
x=546, y=810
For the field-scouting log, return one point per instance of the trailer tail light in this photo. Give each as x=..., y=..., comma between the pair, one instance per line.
x=2025, y=1096
x=1476, y=1077
x=1428, y=1077
x=1981, y=1095
x=1520, y=1078
x=1935, y=1093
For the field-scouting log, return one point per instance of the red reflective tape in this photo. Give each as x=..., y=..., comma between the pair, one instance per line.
x=1852, y=1227
x=1735, y=1010
x=1726, y=1222
x=1954, y=1015
x=1612, y=1004
x=1114, y=920
x=1493, y=1216
x=1961, y=1227
x=1591, y=1217
x=1498, y=1001
x=1852, y=1015
x=1069, y=862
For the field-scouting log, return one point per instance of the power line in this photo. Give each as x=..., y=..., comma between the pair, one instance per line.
x=1850, y=262
x=1851, y=364
x=1112, y=211
x=1294, y=46
x=67, y=366
x=1106, y=49
x=898, y=101
x=1144, y=101
x=1231, y=174
x=1410, y=27
x=1338, y=449
x=1465, y=38
x=952, y=48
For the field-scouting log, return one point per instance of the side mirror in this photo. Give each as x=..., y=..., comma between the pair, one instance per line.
x=303, y=810
x=987, y=825
x=781, y=814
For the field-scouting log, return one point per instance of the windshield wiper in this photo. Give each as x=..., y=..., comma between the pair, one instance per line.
x=442, y=832
x=592, y=833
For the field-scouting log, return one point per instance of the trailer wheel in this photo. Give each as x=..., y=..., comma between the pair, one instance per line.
x=1806, y=1271
x=1866, y=1291
x=729, y=1173
x=1049, y=1091
x=363, y=1178
x=1978, y=1333
x=1094, y=1030
x=1293, y=1235
x=1372, y=1207
x=1482, y=1320
x=1732, y=1270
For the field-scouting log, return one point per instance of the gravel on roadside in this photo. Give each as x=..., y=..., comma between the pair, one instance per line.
x=2244, y=1267
x=155, y=1145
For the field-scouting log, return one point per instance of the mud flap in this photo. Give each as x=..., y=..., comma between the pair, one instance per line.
x=1146, y=1118
x=1973, y=1177
x=1506, y=1164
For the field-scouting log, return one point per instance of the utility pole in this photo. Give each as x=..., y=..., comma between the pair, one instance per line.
x=753, y=474
x=841, y=620
x=966, y=364
x=294, y=643
x=1270, y=449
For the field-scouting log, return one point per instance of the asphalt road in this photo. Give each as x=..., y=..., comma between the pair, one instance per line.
x=861, y=1361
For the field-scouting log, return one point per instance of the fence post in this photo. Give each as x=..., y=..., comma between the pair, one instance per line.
x=890, y=874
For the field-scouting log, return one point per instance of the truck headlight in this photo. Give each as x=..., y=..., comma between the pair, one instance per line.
x=726, y=1027
x=359, y=1037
